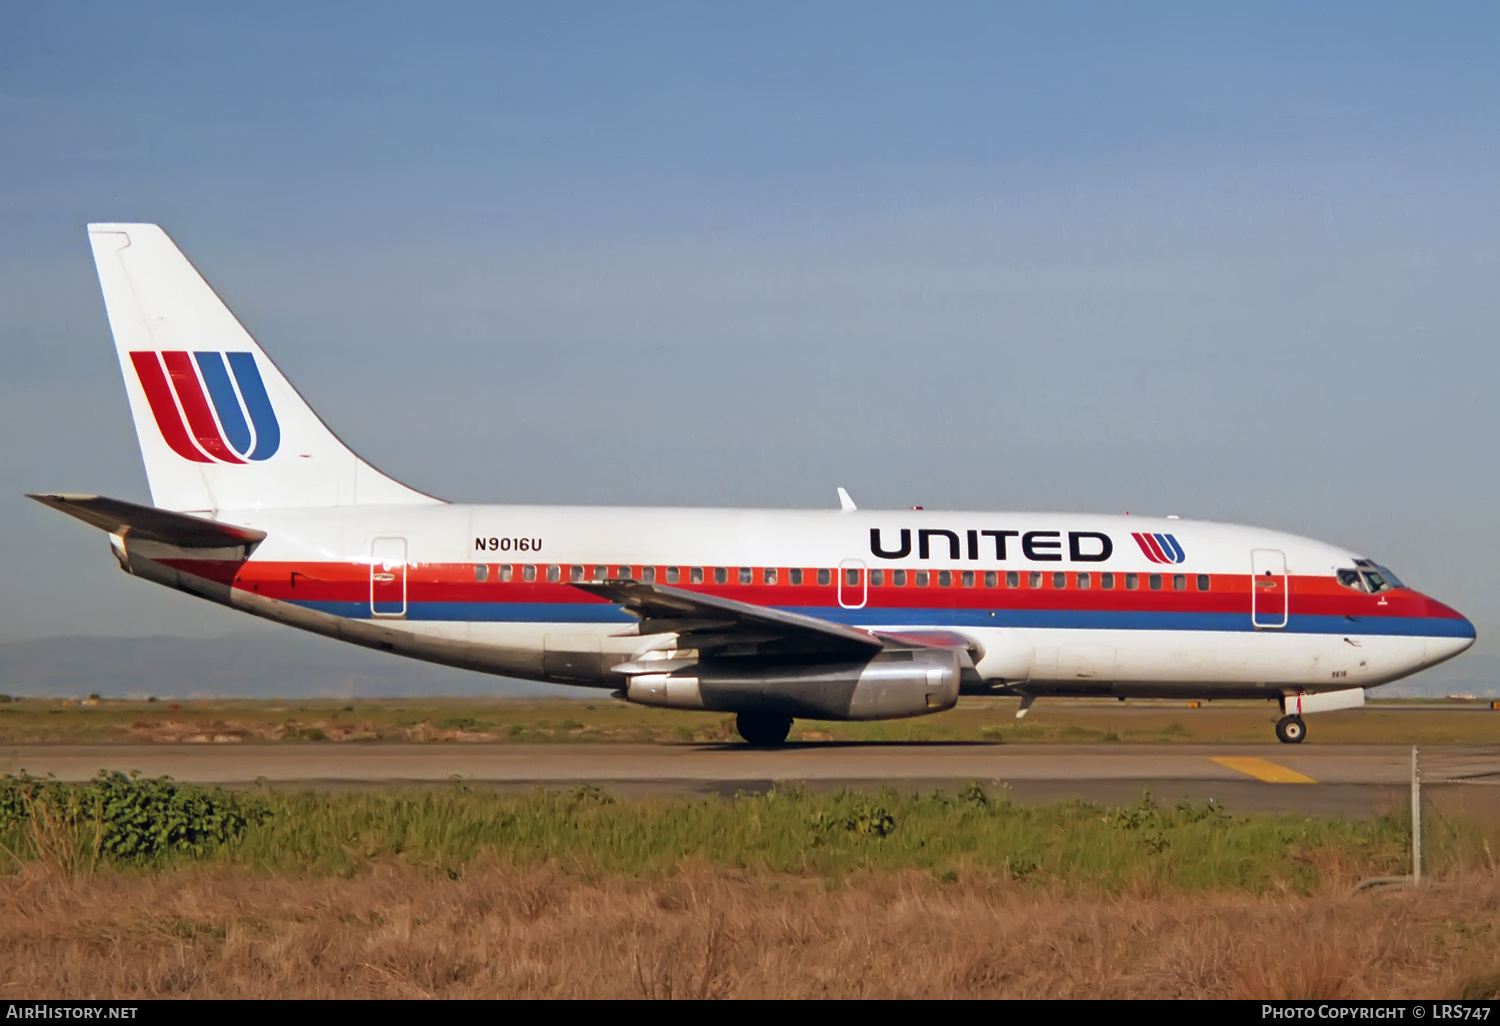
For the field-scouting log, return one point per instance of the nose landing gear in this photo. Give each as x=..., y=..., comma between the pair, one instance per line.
x=1290, y=730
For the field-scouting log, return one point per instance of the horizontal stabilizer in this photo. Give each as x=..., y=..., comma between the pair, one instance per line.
x=149, y=523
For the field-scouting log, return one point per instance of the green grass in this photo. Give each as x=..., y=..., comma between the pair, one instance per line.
x=820, y=835
x=154, y=824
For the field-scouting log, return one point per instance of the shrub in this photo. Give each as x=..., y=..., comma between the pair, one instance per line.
x=121, y=818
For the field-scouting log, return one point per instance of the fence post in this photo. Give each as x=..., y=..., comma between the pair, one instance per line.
x=1416, y=819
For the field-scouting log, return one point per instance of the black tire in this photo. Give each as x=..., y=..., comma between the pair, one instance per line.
x=1290, y=730
x=763, y=730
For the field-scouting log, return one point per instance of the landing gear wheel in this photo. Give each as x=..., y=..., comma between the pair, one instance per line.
x=1291, y=730
x=762, y=730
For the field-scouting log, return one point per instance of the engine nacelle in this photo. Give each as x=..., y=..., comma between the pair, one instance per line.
x=892, y=685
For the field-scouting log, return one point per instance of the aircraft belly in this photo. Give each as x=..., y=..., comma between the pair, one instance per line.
x=1196, y=658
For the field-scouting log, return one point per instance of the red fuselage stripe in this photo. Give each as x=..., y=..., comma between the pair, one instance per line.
x=455, y=582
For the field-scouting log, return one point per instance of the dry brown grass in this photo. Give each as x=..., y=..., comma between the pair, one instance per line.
x=501, y=720
x=396, y=931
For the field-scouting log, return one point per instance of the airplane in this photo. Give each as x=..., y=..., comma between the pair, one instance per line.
x=770, y=615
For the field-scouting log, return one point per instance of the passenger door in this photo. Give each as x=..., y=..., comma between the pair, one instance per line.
x=388, y=577
x=1268, y=589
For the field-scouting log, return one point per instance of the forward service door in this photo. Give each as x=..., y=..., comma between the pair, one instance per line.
x=388, y=577
x=1268, y=589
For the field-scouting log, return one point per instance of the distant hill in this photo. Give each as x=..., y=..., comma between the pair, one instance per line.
x=287, y=663
x=256, y=664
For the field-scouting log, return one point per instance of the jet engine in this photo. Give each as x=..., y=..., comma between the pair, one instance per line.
x=898, y=683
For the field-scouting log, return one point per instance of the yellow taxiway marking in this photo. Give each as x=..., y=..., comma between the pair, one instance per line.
x=1262, y=769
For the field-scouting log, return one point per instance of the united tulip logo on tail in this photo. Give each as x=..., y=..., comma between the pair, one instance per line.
x=1160, y=548
x=210, y=407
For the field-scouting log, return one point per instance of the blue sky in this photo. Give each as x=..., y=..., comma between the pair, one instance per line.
x=1228, y=263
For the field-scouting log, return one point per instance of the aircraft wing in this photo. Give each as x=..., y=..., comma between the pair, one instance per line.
x=723, y=626
x=148, y=523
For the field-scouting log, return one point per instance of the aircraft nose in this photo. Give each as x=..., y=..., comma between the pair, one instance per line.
x=1452, y=634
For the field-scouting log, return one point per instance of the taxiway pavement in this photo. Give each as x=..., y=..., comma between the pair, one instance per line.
x=1326, y=779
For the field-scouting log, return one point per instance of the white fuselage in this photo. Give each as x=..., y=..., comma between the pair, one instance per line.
x=1050, y=602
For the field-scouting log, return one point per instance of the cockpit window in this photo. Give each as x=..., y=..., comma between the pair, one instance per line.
x=1391, y=580
x=1369, y=577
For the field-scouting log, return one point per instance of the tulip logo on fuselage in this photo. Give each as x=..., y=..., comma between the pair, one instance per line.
x=1160, y=548
x=210, y=407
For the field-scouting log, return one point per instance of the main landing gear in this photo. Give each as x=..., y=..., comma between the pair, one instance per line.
x=763, y=730
x=1290, y=730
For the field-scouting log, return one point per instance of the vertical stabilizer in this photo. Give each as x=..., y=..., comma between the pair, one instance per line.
x=219, y=427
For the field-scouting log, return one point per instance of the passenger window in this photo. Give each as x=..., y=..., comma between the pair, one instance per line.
x=624, y=573
x=747, y=575
x=1012, y=579
x=721, y=575
x=1132, y=582
x=795, y=574
x=898, y=578
x=769, y=576
x=877, y=578
x=1107, y=582
x=1156, y=582
x=1179, y=582
x=674, y=574
x=554, y=573
x=824, y=577
x=991, y=579
x=1059, y=581
x=968, y=578
x=528, y=572
x=600, y=572
x=648, y=574
x=1083, y=580
x=1034, y=579
x=1203, y=582
x=922, y=578
x=945, y=578
x=695, y=575
x=481, y=572
x=575, y=573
